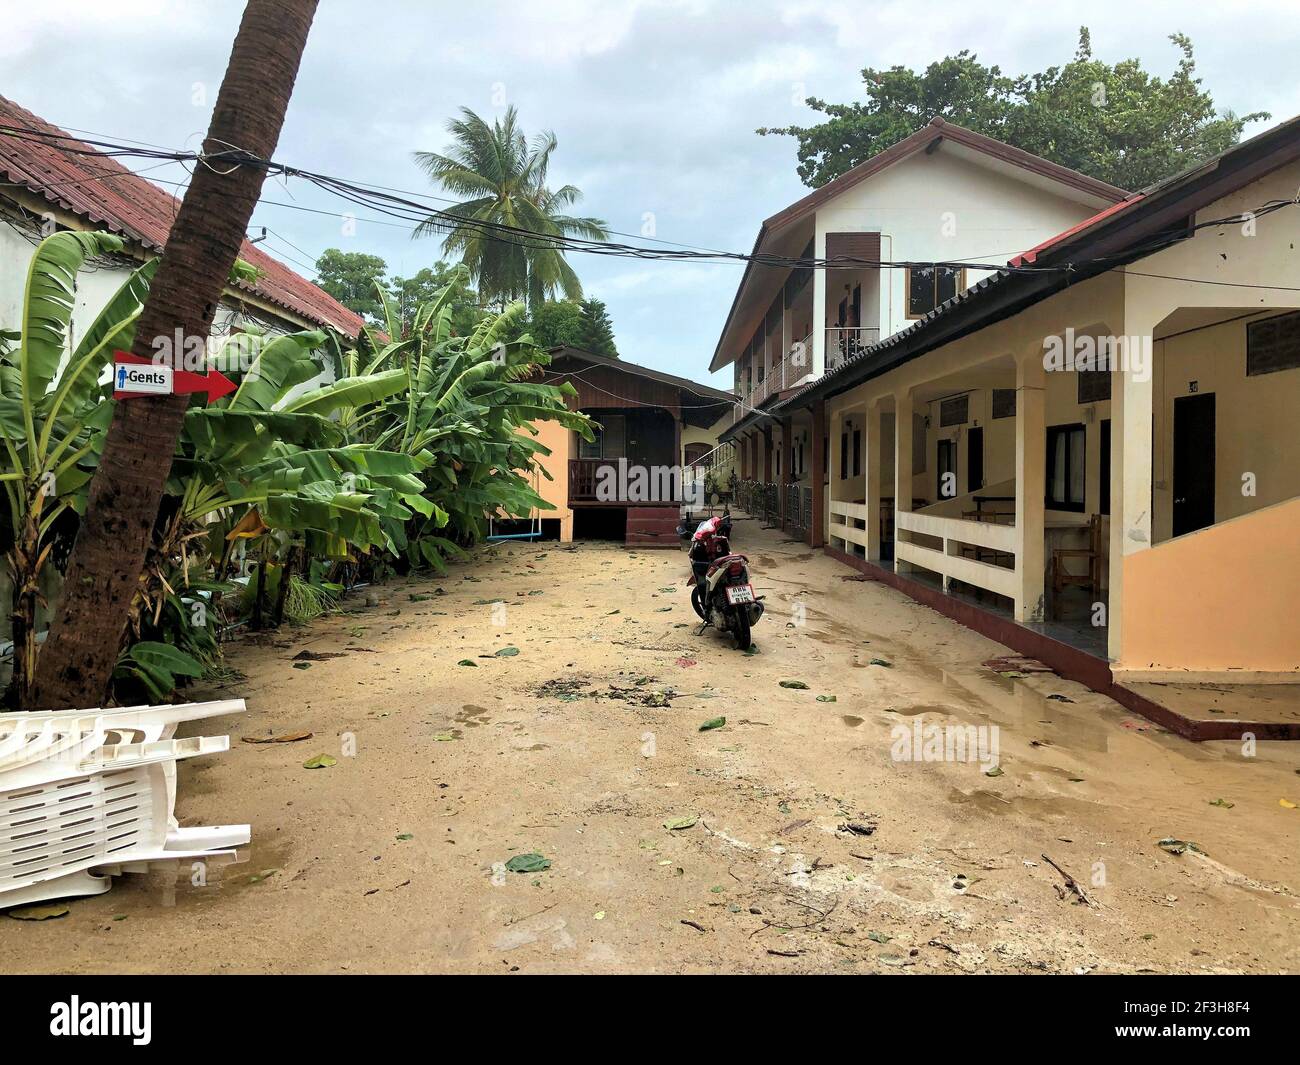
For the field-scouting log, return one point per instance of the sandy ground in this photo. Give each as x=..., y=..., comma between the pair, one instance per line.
x=583, y=744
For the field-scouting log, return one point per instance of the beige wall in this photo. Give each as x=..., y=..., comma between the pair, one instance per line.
x=1257, y=421
x=1223, y=598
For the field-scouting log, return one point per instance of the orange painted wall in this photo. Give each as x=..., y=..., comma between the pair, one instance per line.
x=563, y=445
x=1226, y=597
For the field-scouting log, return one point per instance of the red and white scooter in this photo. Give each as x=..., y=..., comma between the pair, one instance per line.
x=721, y=592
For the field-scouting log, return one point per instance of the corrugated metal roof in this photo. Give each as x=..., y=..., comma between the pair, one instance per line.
x=101, y=190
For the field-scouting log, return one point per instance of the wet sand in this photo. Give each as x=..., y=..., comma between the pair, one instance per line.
x=583, y=744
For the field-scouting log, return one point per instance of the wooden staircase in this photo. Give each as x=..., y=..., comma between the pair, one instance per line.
x=652, y=526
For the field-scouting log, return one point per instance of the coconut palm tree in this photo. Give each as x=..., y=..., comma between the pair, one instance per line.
x=501, y=179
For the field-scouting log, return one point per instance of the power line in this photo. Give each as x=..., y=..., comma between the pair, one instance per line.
x=431, y=218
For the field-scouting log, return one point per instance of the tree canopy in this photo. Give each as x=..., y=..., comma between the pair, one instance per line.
x=348, y=277
x=595, y=330
x=556, y=323
x=351, y=276
x=1114, y=122
x=501, y=179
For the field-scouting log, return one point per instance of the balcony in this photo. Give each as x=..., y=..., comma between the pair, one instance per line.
x=843, y=343
x=624, y=482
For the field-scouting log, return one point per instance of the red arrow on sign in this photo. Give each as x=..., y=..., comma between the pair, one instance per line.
x=214, y=383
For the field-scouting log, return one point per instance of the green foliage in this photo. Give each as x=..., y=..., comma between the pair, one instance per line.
x=1114, y=122
x=595, y=331
x=501, y=180
x=410, y=293
x=155, y=667
x=556, y=323
x=401, y=458
x=348, y=276
x=467, y=414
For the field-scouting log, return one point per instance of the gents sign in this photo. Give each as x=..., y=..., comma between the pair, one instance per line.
x=146, y=380
x=135, y=376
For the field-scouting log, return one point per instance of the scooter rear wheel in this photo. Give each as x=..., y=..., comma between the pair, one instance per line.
x=742, y=630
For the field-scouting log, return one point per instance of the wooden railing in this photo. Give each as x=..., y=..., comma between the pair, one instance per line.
x=663, y=484
x=953, y=561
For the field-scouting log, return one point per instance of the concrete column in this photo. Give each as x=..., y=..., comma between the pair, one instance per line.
x=787, y=463
x=819, y=310
x=902, y=468
x=817, y=527
x=871, y=472
x=1031, y=484
x=1131, y=409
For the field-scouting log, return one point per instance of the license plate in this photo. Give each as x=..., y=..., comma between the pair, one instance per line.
x=740, y=593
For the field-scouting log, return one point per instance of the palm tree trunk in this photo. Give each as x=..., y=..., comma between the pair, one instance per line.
x=104, y=570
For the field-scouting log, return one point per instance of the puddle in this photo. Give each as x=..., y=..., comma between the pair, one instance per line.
x=924, y=708
x=472, y=716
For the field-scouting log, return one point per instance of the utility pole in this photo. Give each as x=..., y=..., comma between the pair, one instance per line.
x=80, y=651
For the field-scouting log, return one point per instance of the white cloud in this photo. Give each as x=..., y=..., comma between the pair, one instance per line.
x=654, y=102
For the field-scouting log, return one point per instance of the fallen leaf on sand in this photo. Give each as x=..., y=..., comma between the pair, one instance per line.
x=528, y=863
x=288, y=737
x=677, y=824
x=38, y=913
x=712, y=723
x=321, y=761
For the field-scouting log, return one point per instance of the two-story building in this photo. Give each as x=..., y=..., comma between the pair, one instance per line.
x=1091, y=453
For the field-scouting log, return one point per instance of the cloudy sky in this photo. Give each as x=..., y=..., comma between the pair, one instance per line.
x=654, y=103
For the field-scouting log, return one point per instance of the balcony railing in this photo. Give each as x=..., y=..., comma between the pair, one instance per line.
x=602, y=481
x=789, y=371
x=843, y=344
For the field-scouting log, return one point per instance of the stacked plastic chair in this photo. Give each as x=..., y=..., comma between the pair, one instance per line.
x=86, y=795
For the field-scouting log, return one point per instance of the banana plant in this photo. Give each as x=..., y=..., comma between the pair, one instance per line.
x=470, y=406
x=54, y=412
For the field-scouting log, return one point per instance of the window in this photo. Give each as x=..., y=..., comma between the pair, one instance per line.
x=929, y=286
x=1273, y=344
x=609, y=439
x=1065, y=467
x=1004, y=403
x=954, y=411
x=1094, y=386
x=857, y=452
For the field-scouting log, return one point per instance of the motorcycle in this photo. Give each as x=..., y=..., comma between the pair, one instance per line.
x=721, y=592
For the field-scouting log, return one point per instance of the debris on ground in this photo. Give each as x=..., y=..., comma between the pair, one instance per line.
x=1070, y=883
x=289, y=737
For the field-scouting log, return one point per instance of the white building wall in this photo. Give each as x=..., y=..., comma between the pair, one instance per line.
x=941, y=207
x=96, y=285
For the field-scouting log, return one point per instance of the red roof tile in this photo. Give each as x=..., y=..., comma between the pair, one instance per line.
x=102, y=191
